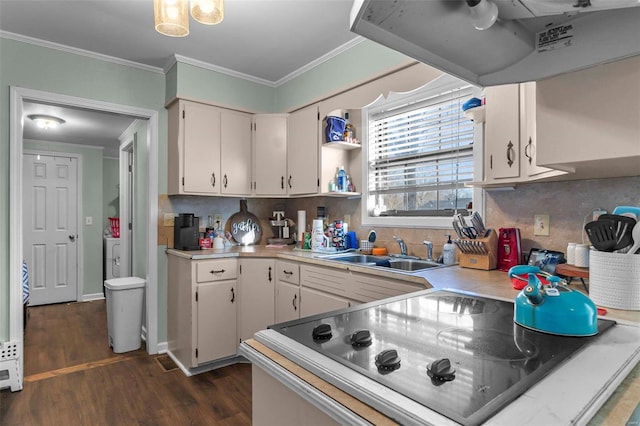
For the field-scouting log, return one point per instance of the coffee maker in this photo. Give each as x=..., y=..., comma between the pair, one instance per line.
x=282, y=232
x=186, y=230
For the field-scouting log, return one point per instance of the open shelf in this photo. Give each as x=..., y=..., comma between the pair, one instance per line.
x=342, y=145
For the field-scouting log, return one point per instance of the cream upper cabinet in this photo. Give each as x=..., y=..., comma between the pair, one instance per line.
x=270, y=154
x=209, y=150
x=256, y=302
x=303, y=151
x=511, y=135
x=589, y=120
x=502, y=132
x=235, y=152
x=193, y=148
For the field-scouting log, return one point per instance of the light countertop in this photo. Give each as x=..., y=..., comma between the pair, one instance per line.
x=616, y=410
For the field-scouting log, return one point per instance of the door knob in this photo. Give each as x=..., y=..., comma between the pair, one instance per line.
x=72, y=238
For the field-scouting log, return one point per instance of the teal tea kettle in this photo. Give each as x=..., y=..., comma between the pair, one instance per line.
x=553, y=309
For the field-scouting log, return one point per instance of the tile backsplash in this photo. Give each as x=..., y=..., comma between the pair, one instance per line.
x=569, y=205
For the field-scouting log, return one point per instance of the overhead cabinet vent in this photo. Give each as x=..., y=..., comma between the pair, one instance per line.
x=530, y=40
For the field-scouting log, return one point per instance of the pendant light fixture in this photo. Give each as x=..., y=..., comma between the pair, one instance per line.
x=208, y=12
x=46, y=121
x=171, y=17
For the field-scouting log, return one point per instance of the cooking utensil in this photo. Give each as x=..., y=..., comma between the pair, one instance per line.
x=602, y=234
x=478, y=224
x=554, y=310
x=635, y=235
x=623, y=227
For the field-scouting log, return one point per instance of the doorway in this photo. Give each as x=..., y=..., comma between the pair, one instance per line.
x=18, y=97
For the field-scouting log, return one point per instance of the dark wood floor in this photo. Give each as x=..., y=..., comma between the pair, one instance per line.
x=73, y=378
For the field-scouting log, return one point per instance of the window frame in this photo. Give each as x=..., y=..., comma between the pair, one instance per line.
x=395, y=100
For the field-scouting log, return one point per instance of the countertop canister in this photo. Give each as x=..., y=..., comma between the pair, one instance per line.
x=582, y=255
x=571, y=253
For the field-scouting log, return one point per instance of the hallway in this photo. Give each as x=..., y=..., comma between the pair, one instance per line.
x=73, y=377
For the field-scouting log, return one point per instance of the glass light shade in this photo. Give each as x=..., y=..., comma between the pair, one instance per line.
x=46, y=121
x=483, y=14
x=171, y=17
x=209, y=12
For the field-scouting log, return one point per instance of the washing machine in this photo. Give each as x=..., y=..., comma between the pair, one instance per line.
x=111, y=258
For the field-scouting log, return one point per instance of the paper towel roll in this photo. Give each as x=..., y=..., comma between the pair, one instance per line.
x=302, y=224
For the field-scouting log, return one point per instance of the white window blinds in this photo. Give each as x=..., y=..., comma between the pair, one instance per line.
x=421, y=154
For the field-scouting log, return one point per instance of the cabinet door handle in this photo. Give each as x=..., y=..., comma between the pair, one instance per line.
x=233, y=295
x=510, y=154
x=281, y=182
x=269, y=273
x=526, y=150
x=213, y=271
x=224, y=181
x=289, y=182
x=295, y=297
x=213, y=180
x=491, y=161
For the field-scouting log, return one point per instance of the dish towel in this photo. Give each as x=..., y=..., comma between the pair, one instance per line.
x=25, y=282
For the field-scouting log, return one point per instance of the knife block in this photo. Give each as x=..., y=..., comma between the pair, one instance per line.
x=485, y=262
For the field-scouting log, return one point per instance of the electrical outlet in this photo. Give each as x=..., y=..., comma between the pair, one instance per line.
x=217, y=218
x=541, y=224
x=88, y=220
x=169, y=219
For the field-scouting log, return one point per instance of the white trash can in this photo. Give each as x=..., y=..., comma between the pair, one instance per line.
x=124, y=312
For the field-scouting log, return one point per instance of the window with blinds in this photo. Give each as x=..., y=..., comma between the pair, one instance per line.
x=420, y=155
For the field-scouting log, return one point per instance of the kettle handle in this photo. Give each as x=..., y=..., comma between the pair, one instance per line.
x=523, y=269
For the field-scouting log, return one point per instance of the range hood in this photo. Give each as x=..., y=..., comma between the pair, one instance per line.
x=531, y=39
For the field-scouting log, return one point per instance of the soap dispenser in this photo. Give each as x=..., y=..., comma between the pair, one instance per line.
x=449, y=252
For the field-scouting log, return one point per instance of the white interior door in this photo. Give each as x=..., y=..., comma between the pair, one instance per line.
x=50, y=202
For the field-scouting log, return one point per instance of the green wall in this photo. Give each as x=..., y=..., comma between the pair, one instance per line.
x=363, y=62
x=92, y=205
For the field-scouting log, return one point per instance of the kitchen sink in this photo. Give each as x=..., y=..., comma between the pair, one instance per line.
x=399, y=264
x=413, y=264
x=358, y=258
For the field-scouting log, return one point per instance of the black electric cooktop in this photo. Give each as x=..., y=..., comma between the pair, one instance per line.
x=458, y=354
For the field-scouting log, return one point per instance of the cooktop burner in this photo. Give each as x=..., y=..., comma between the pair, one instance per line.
x=458, y=354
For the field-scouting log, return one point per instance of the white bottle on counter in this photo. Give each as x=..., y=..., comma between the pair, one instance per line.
x=449, y=252
x=571, y=254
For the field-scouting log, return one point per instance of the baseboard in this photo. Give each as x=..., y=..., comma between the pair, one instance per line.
x=91, y=297
x=206, y=367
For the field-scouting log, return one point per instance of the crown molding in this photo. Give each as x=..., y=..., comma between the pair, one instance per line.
x=76, y=51
x=185, y=60
x=324, y=58
x=205, y=65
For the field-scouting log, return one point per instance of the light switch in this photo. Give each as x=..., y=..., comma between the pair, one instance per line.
x=541, y=224
x=88, y=220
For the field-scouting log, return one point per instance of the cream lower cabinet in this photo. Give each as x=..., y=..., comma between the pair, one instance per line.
x=201, y=309
x=256, y=291
x=287, y=291
x=275, y=404
x=317, y=302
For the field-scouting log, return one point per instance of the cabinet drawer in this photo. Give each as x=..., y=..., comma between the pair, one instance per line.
x=216, y=270
x=288, y=271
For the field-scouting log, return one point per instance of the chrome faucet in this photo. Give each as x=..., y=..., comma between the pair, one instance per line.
x=429, y=245
x=403, y=246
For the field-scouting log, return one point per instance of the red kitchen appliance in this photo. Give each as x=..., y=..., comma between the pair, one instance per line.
x=509, y=251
